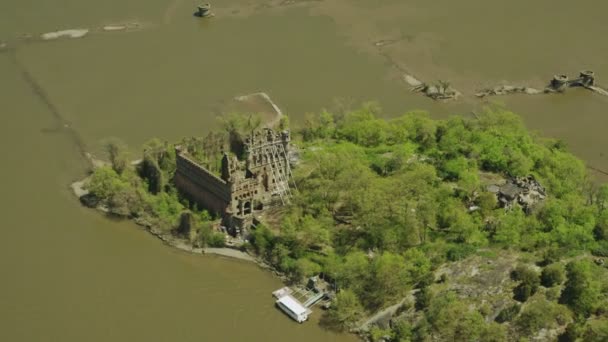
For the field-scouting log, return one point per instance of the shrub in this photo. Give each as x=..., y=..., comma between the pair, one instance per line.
x=601, y=250
x=542, y=314
x=459, y=252
x=346, y=308
x=553, y=293
x=423, y=298
x=507, y=314
x=529, y=282
x=552, y=275
x=582, y=290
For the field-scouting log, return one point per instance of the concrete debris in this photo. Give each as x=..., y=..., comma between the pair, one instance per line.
x=506, y=90
x=114, y=27
x=74, y=33
x=382, y=43
x=558, y=84
x=442, y=90
x=121, y=27
x=524, y=191
x=411, y=80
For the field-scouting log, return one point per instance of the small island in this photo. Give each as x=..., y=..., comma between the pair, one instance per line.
x=464, y=229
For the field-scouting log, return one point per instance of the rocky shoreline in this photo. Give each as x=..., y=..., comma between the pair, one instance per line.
x=78, y=188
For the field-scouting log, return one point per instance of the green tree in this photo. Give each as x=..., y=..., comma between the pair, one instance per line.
x=542, y=314
x=305, y=268
x=452, y=320
x=105, y=182
x=423, y=297
x=582, y=290
x=508, y=314
x=389, y=280
x=153, y=174
x=119, y=157
x=601, y=229
x=346, y=308
x=552, y=275
x=597, y=331
x=493, y=332
x=262, y=240
x=403, y=331
x=529, y=282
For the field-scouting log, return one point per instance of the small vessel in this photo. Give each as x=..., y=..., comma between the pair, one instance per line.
x=293, y=308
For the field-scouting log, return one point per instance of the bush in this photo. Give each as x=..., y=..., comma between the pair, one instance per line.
x=345, y=309
x=403, y=331
x=508, y=314
x=208, y=237
x=597, y=331
x=552, y=275
x=582, y=290
x=601, y=250
x=523, y=291
x=423, y=298
x=529, y=282
x=542, y=314
x=459, y=252
x=553, y=293
x=217, y=240
x=572, y=333
x=377, y=334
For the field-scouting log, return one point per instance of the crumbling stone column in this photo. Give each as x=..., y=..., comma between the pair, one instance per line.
x=587, y=78
x=559, y=83
x=203, y=10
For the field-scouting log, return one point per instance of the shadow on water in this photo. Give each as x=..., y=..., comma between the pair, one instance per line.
x=61, y=125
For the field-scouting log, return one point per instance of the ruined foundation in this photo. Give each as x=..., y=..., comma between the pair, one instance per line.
x=246, y=187
x=558, y=84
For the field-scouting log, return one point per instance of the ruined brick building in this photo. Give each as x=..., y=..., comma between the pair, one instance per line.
x=245, y=187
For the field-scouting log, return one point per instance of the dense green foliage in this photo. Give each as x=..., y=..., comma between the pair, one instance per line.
x=582, y=290
x=552, y=275
x=146, y=194
x=529, y=282
x=382, y=204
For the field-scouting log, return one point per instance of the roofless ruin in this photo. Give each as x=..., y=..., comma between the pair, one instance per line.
x=261, y=178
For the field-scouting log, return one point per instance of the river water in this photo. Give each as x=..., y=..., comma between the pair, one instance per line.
x=69, y=274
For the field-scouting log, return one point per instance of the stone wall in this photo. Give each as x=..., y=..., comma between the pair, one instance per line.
x=201, y=186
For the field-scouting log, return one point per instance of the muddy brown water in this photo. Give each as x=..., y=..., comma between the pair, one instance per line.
x=69, y=274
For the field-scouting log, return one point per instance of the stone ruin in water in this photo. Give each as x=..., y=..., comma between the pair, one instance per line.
x=558, y=84
x=246, y=187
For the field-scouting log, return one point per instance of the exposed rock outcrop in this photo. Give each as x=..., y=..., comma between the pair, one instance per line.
x=524, y=191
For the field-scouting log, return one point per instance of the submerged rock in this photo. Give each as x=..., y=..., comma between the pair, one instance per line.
x=74, y=33
x=411, y=80
x=114, y=27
